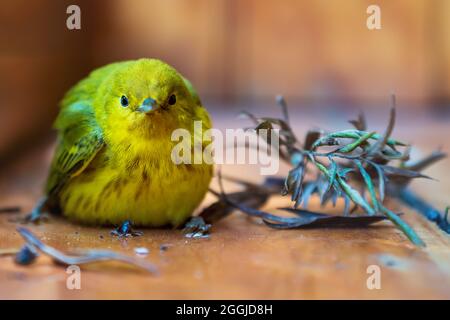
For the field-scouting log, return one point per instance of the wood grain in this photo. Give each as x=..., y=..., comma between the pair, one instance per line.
x=242, y=259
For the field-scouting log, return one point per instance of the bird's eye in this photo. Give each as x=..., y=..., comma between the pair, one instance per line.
x=172, y=100
x=124, y=101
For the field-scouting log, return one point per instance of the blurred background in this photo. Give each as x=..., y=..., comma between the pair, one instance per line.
x=237, y=53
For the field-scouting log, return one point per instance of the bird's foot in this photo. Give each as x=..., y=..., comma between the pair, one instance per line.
x=125, y=230
x=37, y=214
x=196, y=228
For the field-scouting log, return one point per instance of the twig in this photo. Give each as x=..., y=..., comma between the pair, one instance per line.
x=403, y=226
x=14, y=209
x=89, y=256
x=412, y=200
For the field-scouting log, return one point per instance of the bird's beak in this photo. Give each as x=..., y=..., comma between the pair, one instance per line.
x=148, y=105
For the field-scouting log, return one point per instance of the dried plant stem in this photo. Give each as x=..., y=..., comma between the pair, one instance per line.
x=359, y=160
x=14, y=209
x=9, y=251
x=83, y=257
x=403, y=226
x=415, y=202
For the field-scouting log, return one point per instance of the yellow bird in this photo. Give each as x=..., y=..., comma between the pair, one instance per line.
x=113, y=158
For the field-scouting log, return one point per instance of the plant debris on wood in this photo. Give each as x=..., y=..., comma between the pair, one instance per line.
x=28, y=254
x=314, y=219
x=164, y=247
x=359, y=166
x=14, y=209
x=9, y=251
x=141, y=251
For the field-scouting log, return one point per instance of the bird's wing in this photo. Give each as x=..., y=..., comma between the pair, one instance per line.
x=79, y=140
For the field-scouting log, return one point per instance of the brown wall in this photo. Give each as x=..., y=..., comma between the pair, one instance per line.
x=306, y=49
x=39, y=60
x=232, y=50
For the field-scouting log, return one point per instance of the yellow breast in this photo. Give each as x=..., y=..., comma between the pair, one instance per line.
x=139, y=182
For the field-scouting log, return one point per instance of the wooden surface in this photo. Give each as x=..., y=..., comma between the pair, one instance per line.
x=242, y=258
